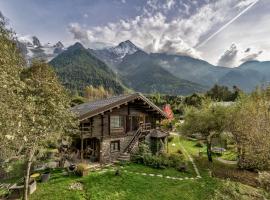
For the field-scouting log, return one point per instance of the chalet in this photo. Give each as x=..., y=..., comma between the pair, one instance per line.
x=112, y=128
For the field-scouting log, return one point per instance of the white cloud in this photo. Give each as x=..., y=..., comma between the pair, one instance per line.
x=229, y=58
x=236, y=55
x=155, y=32
x=250, y=57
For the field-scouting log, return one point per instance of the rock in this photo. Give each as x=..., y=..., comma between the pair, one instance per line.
x=76, y=186
x=52, y=164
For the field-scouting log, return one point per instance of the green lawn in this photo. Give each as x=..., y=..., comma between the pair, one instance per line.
x=131, y=186
x=189, y=145
x=127, y=186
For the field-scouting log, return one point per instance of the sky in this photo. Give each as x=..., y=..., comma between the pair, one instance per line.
x=222, y=32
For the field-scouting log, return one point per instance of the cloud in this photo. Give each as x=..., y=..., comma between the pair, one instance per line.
x=78, y=33
x=251, y=57
x=85, y=15
x=229, y=58
x=156, y=31
x=237, y=55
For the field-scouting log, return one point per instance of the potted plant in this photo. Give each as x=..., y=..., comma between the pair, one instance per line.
x=82, y=169
x=45, y=176
x=16, y=191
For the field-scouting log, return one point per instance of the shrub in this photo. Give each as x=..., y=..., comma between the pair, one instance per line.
x=179, y=151
x=182, y=167
x=175, y=160
x=264, y=179
x=170, y=138
x=199, y=144
x=81, y=169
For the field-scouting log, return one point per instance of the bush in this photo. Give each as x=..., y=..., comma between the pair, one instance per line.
x=199, y=144
x=179, y=151
x=264, y=179
x=182, y=167
x=170, y=138
x=81, y=169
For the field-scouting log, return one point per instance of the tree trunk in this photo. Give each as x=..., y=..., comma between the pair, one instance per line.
x=209, y=152
x=81, y=147
x=27, y=174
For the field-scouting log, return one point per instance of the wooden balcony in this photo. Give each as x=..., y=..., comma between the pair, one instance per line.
x=145, y=127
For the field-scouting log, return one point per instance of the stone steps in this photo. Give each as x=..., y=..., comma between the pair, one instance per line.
x=124, y=157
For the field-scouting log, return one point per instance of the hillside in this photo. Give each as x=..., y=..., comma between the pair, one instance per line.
x=78, y=68
x=154, y=78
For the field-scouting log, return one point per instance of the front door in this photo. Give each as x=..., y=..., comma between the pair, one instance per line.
x=91, y=149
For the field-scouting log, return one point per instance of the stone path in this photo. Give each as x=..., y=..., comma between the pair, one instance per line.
x=228, y=162
x=150, y=175
x=5, y=185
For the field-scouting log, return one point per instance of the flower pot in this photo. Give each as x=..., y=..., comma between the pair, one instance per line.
x=16, y=191
x=45, y=177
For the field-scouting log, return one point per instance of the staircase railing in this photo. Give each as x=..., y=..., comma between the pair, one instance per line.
x=133, y=141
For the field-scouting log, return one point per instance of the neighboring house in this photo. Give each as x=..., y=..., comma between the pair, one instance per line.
x=112, y=128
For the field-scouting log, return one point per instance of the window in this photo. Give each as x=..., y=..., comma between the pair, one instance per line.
x=117, y=122
x=115, y=146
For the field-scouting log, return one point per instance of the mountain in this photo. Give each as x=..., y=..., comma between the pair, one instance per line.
x=78, y=68
x=114, y=55
x=248, y=75
x=32, y=48
x=154, y=78
x=182, y=67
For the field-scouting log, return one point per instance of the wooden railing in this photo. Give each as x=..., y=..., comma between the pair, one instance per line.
x=133, y=141
x=146, y=126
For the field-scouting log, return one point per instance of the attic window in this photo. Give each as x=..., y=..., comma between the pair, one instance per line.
x=117, y=121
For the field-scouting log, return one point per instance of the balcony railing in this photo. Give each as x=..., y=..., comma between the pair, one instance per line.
x=146, y=126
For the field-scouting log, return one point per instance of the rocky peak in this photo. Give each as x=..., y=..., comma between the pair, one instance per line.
x=36, y=42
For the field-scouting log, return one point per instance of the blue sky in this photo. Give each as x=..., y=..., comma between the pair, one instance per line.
x=224, y=32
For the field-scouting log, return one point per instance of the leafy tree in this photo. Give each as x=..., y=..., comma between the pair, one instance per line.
x=193, y=100
x=11, y=63
x=93, y=93
x=250, y=125
x=222, y=93
x=210, y=121
x=46, y=114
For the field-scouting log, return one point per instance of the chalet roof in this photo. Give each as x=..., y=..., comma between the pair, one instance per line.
x=157, y=133
x=93, y=108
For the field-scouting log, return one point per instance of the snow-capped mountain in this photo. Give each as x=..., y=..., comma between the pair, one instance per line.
x=32, y=48
x=123, y=49
x=114, y=55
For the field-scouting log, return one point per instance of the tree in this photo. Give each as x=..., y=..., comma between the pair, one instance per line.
x=92, y=93
x=46, y=114
x=11, y=63
x=250, y=125
x=193, y=100
x=210, y=120
x=222, y=93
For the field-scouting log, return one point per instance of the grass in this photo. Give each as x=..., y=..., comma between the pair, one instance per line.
x=108, y=186
x=165, y=172
x=229, y=155
x=127, y=186
x=189, y=145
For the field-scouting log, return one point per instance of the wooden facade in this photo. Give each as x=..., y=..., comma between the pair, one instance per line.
x=114, y=128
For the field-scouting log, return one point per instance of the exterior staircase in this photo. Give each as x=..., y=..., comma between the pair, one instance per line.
x=133, y=141
x=124, y=157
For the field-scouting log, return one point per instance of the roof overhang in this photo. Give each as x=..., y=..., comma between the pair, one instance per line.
x=135, y=96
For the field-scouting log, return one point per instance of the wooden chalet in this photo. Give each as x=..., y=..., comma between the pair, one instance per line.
x=113, y=127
